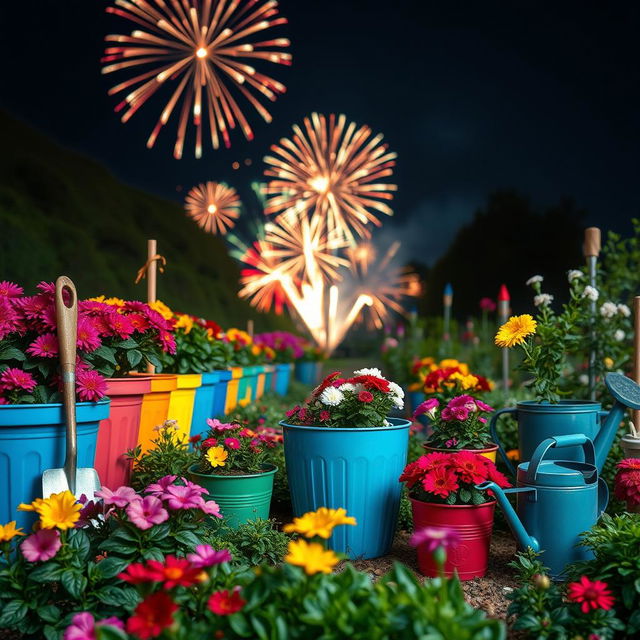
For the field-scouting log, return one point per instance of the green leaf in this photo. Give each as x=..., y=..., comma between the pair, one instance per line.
x=12, y=613
x=49, y=613
x=187, y=538
x=106, y=353
x=79, y=541
x=11, y=353
x=110, y=633
x=75, y=583
x=121, y=596
x=110, y=567
x=129, y=343
x=50, y=633
x=48, y=572
x=134, y=357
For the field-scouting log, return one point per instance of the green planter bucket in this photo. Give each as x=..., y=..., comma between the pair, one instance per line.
x=241, y=498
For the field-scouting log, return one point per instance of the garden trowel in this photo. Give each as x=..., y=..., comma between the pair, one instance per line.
x=78, y=481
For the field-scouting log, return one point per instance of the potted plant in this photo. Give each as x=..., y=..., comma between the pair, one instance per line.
x=309, y=365
x=341, y=450
x=443, y=496
x=627, y=483
x=460, y=425
x=232, y=465
x=287, y=348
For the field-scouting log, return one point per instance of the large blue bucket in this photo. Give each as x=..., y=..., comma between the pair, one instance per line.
x=282, y=378
x=357, y=469
x=203, y=403
x=308, y=373
x=220, y=391
x=32, y=439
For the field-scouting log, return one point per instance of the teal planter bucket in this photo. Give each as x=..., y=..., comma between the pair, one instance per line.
x=32, y=439
x=415, y=398
x=308, y=373
x=357, y=469
x=282, y=378
x=220, y=391
x=203, y=403
x=269, y=374
x=240, y=498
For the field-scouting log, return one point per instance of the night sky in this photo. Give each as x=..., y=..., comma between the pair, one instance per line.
x=474, y=96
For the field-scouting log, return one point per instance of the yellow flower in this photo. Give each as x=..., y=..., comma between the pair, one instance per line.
x=8, y=531
x=269, y=352
x=59, y=510
x=466, y=381
x=319, y=523
x=513, y=454
x=115, y=302
x=162, y=309
x=184, y=322
x=237, y=335
x=255, y=350
x=216, y=456
x=608, y=362
x=97, y=299
x=311, y=556
x=515, y=330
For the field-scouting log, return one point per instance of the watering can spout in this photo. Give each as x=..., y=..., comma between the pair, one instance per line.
x=520, y=533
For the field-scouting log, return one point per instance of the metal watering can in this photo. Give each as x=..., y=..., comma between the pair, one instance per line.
x=557, y=500
x=538, y=421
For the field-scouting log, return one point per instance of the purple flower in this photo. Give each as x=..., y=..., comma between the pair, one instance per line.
x=41, y=546
x=428, y=406
x=459, y=413
x=83, y=626
x=90, y=511
x=158, y=488
x=207, y=556
x=147, y=512
x=178, y=497
x=434, y=537
x=121, y=497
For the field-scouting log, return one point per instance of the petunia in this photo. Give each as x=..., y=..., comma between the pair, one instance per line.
x=41, y=546
x=216, y=425
x=121, y=497
x=83, y=626
x=159, y=487
x=179, y=497
x=211, y=508
x=206, y=556
x=147, y=512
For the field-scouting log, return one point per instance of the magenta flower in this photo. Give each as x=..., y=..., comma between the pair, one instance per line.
x=487, y=304
x=428, y=406
x=434, y=537
x=206, y=556
x=9, y=319
x=90, y=385
x=41, y=546
x=167, y=341
x=147, y=512
x=458, y=413
x=83, y=626
x=193, y=486
x=120, y=325
x=466, y=401
x=88, y=338
x=483, y=406
x=48, y=288
x=292, y=412
x=121, y=497
x=48, y=317
x=10, y=290
x=216, y=425
x=158, y=488
x=232, y=443
x=44, y=346
x=12, y=379
x=178, y=497
x=324, y=416
x=211, y=508
x=91, y=510
x=451, y=443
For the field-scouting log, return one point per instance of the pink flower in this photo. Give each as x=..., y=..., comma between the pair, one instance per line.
x=292, y=412
x=211, y=508
x=41, y=546
x=446, y=414
x=232, y=443
x=324, y=416
x=158, y=488
x=88, y=338
x=139, y=322
x=48, y=317
x=487, y=304
x=121, y=497
x=44, y=346
x=120, y=325
x=468, y=402
x=206, y=556
x=459, y=413
x=483, y=406
x=365, y=396
x=193, y=486
x=9, y=318
x=83, y=626
x=451, y=443
x=48, y=288
x=10, y=290
x=12, y=379
x=178, y=497
x=90, y=385
x=167, y=341
x=427, y=406
x=216, y=425
x=434, y=537
x=147, y=512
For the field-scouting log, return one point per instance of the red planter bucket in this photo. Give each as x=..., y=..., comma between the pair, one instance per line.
x=473, y=523
x=119, y=432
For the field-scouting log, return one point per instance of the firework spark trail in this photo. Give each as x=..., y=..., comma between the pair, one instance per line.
x=214, y=206
x=203, y=51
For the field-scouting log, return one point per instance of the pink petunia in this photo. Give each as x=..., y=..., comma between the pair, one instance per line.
x=10, y=289
x=12, y=379
x=44, y=346
x=88, y=338
x=121, y=497
x=232, y=443
x=90, y=385
x=147, y=512
x=206, y=556
x=83, y=626
x=211, y=508
x=178, y=497
x=216, y=425
x=194, y=487
x=41, y=546
x=159, y=487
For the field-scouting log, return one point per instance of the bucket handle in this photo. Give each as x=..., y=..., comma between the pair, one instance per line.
x=603, y=496
x=571, y=440
x=494, y=435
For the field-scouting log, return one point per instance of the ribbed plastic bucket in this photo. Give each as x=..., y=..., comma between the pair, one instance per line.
x=248, y=385
x=203, y=403
x=269, y=370
x=155, y=407
x=357, y=469
x=233, y=388
x=307, y=373
x=261, y=381
x=32, y=439
x=182, y=400
x=282, y=378
x=220, y=393
x=241, y=498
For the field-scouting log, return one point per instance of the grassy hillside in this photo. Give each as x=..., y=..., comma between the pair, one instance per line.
x=61, y=212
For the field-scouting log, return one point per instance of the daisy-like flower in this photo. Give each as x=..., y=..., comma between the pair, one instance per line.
x=590, y=594
x=624, y=310
x=619, y=335
x=152, y=616
x=41, y=546
x=59, y=510
x=120, y=325
x=232, y=443
x=440, y=481
x=574, y=274
x=331, y=396
x=396, y=389
x=10, y=290
x=515, y=331
x=365, y=396
x=319, y=523
x=8, y=531
x=226, y=603
x=12, y=379
x=347, y=386
x=88, y=338
x=216, y=456
x=216, y=425
x=534, y=280
x=173, y=572
x=433, y=537
x=44, y=346
x=369, y=372
x=90, y=385
x=591, y=293
x=542, y=300
x=311, y=556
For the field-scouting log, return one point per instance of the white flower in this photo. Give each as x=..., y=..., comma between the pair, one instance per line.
x=398, y=402
x=396, y=389
x=543, y=300
x=386, y=423
x=624, y=310
x=331, y=396
x=369, y=372
x=591, y=293
x=608, y=310
x=347, y=386
x=583, y=378
x=573, y=274
x=619, y=335
x=534, y=279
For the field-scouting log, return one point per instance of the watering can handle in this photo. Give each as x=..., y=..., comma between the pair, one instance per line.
x=572, y=440
x=494, y=436
x=603, y=496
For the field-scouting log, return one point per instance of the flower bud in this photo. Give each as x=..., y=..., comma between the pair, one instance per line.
x=541, y=581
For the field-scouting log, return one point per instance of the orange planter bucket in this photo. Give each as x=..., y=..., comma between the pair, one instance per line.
x=181, y=402
x=119, y=432
x=232, y=390
x=155, y=407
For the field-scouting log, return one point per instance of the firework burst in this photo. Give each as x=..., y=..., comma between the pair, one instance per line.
x=203, y=49
x=214, y=206
x=333, y=170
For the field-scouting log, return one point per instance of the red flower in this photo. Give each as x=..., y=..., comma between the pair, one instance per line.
x=496, y=476
x=136, y=573
x=324, y=416
x=483, y=384
x=209, y=442
x=120, y=325
x=591, y=595
x=224, y=603
x=196, y=438
x=88, y=337
x=167, y=341
x=440, y=481
x=139, y=322
x=173, y=572
x=327, y=382
x=433, y=460
x=371, y=382
x=411, y=474
x=629, y=463
x=471, y=467
x=627, y=484
x=365, y=396
x=151, y=616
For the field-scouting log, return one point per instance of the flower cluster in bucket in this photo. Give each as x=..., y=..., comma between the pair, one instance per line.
x=451, y=478
x=286, y=346
x=245, y=351
x=363, y=400
x=447, y=378
x=627, y=482
x=229, y=448
x=460, y=424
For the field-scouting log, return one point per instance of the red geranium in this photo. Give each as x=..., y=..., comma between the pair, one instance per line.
x=225, y=603
x=365, y=396
x=591, y=594
x=151, y=616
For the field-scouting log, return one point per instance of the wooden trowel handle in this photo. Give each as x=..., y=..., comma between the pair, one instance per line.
x=67, y=322
x=592, y=242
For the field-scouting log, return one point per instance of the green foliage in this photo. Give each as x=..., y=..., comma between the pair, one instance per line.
x=197, y=352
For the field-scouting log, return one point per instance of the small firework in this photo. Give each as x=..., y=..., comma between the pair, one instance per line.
x=214, y=206
x=332, y=170
x=206, y=49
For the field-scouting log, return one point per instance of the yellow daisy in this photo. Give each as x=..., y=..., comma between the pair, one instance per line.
x=184, y=322
x=8, y=531
x=319, y=523
x=311, y=556
x=217, y=456
x=59, y=510
x=515, y=330
x=162, y=309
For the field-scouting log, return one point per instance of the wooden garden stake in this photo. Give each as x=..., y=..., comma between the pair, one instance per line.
x=250, y=327
x=503, y=316
x=591, y=253
x=447, y=300
x=635, y=416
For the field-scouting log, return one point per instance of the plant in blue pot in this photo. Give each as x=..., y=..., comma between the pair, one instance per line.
x=343, y=451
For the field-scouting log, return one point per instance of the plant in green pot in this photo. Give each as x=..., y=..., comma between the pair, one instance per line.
x=233, y=465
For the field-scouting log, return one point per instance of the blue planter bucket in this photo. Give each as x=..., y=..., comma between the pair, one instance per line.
x=203, y=403
x=308, y=373
x=415, y=398
x=220, y=391
x=32, y=439
x=357, y=469
x=538, y=421
x=269, y=373
x=282, y=378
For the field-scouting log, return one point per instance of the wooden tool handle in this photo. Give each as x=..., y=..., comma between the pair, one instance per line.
x=67, y=322
x=592, y=242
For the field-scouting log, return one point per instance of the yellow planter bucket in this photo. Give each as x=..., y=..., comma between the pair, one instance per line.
x=155, y=407
x=231, y=401
x=181, y=402
x=262, y=379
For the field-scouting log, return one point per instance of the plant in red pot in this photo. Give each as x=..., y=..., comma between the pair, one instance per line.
x=627, y=483
x=443, y=495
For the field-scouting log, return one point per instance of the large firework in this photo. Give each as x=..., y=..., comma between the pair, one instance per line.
x=334, y=170
x=214, y=206
x=206, y=50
